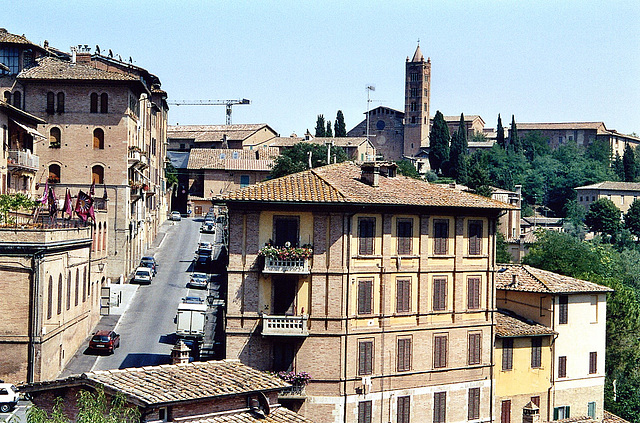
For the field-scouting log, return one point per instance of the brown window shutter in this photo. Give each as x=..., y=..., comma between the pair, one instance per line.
x=365, y=294
x=365, y=357
x=474, y=348
x=404, y=409
x=366, y=235
x=507, y=354
x=439, y=407
x=441, y=235
x=505, y=416
x=439, y=294
x=403, y=293
x=593, y=362
x=473, y=293
x=474, y=404
x=475, y=237
x=440, y=351
x=563, y=317
x=562, y=366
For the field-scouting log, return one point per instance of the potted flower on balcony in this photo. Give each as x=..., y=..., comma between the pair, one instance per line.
x=287, y=252
x=297, y=380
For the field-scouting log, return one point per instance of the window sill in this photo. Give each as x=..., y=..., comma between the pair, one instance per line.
x=442, y=256
x=475, y=256
x=405, y=257
x=362, y=256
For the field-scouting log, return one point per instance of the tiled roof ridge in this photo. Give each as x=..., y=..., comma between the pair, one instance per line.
x=46, y=60
x=326, y=182
x=527, y=268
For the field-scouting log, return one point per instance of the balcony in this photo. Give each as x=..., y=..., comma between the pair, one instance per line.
x=293, y=392
x=284, y=325
x=288, y=266
x=24, y=160
x=137, y=158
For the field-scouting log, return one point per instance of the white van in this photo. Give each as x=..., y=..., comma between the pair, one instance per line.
x=8, y=397
x=143, y=275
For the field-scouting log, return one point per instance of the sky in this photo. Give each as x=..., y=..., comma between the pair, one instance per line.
x=542, y=61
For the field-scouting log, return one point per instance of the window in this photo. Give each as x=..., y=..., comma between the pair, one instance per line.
x=473, y=404
x=562, y=366
x=104, y=103
x=98, y=139
x=404, y=354
x=440, y=351
x=54, y=137
x=69, y=290
x=60, y=102
x=439, y=294
x=413, y=92
x=475, y=237
x=404, y=409
x=594, y=308
x=51, y=100
x=364, y=412
x=93, y=108
x=366, y=234
x=414, y=76
x=365, y=296
x=50, y=298
x=505, y=411
x=403, y=295
x=59, y=294
x=17, y=99
x=536, y=353
x=7, y=96
x=10, y=56
x=593, y=362
x=77, y=287
x=244, y=181
x=365, y=357
x=404, y=235
x=507, y=353
x=563, y=316
x=591, y=410
x=86, y=288
x=475, y=348
x=97, y=174
x=439, y=407
x=560, y=413
x=473, y=293
x=440, y=236
x=285, y=229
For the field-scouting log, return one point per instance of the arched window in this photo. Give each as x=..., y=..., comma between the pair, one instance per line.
x=60, y=293
x=87, y=284
x=60, y=105
x=104, y=237
x=97, y=174
x=69, y=290
x=51, y=99
x=94, y=103
x=98, y=139
x=54, y=173
x=50, y=298
x=17, y=99
x=54, y=137
x=104, y=103
x=7, y=96
x=77, y=286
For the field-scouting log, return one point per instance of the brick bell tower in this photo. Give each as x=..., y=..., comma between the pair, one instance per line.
x=416, y=103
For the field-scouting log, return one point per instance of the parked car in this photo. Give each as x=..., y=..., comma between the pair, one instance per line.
x=198, y=280
x=149, y=262
x=8, y=397
x=143, y=275
x=175, y=215
x=208, y=226
x=104, y=340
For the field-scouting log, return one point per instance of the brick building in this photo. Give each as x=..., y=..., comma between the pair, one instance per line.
x=391, y=312
x=237, y=136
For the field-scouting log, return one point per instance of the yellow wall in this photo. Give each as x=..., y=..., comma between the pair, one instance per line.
x=522, y=379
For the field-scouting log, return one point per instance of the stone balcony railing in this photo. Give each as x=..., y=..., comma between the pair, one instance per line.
x=292, y=267
x=23, y=159
x=284, y=325
x=137, y=158
x=293, y=392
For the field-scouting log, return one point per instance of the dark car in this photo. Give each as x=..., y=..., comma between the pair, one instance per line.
x=149, y=262
x=104, y=340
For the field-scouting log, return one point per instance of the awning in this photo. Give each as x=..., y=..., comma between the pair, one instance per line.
x=31, y=131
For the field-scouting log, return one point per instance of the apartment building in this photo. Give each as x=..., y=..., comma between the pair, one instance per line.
x=623, y=194
x=379, y=286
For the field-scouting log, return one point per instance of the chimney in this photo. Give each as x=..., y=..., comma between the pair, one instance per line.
x=530, y=413
x=82, y=54
x=370, y=174
x=180, y=353
x=514, y=283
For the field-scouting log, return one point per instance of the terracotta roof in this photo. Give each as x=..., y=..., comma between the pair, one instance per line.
x=616, y=186
x=7, y=37
x=282, y=141
x=579, y=419
x=342, y=141
x=278, y=415
x=341, y=183
x=213, y=133
x=545, y=126
x=612, y=418
x=509, y=325
x=531, y=279
x=52, y=68
x=232, y=159
x=180, y=382
x=469, y=118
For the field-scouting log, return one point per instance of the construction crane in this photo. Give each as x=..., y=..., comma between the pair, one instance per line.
x=227, y=103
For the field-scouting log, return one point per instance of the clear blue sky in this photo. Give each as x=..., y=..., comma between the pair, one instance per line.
x=544, y=61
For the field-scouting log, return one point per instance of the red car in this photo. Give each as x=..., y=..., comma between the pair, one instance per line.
x=104, y=340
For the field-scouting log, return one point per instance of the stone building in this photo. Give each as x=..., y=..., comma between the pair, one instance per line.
x=379, y=286
x=236, y=136
x=623, y=194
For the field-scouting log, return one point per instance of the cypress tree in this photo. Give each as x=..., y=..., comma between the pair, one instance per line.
x=329, y=132
x=339, y=127
x=320, y=127
x=618, y=166
x=459, y=149
x=629, y=164
x=438, y=142
x=500, y=134
x=514, y=141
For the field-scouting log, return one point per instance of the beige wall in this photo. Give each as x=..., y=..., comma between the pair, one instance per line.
x=622, y=199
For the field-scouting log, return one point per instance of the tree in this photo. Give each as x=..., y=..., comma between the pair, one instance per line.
x=406, y=168
x=328, y=132
x=618, y=166
x=296, y=158
x=629, y=164
x=320, y=127
x=459, y=149
x=438, y=142
x=604, y=217
x=514, y=141
x=339, y=127
x=632, y=218
x=502, y=249
x=535, y=144
x=500, y=134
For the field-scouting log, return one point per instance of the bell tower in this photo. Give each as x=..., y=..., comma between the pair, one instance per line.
x=416, y=103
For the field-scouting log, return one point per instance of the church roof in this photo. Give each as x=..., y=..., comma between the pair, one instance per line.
x=417, y=56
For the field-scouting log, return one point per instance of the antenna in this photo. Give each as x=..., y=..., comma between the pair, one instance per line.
x=370, y=88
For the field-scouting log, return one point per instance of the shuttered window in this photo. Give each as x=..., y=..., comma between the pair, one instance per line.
x=364, y=412
x=440, y=351
x=365, y=297
x=473, y=293
x=475, y=237
x=403, y=295
x=51, y=100
x=473, y=412
x=404, y=234
x=50, y=298
x=507, y=354
x=440, y=236
x=404, y=354
x=404, y=409
x=366, y=235
x=439, y=294
x=560, y=413
x=439, y=407
x=562, y=366
x=60, y=294
x=536, y=352
x=365, y=357
x=475, y=348
x=593, y=362
x=563, y=309
x=505, y=412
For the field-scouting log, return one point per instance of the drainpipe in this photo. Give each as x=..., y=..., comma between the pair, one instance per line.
x=34, y=314
x=346, y=320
